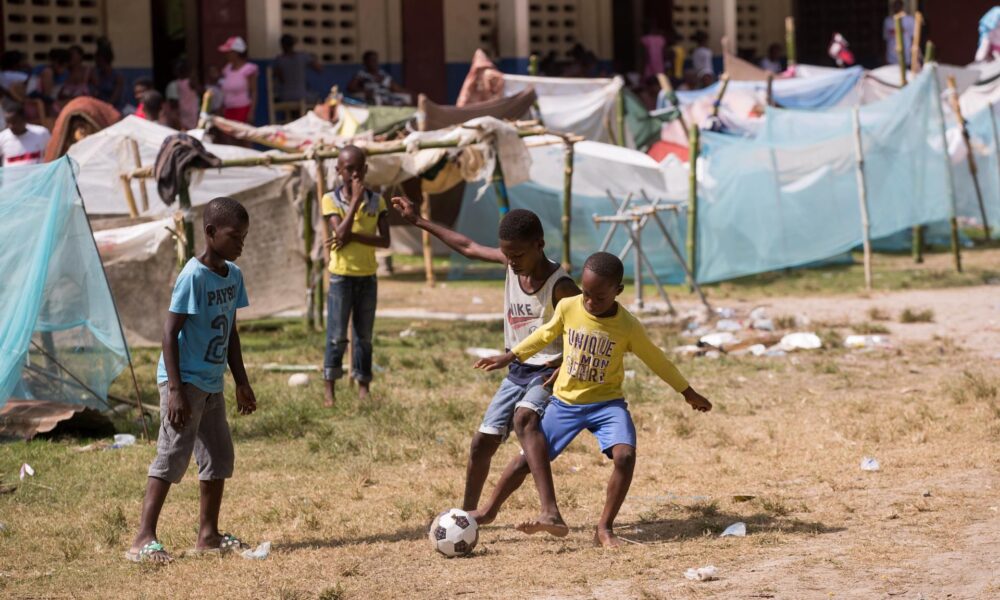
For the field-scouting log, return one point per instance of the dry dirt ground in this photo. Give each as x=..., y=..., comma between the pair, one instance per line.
x=346, y=496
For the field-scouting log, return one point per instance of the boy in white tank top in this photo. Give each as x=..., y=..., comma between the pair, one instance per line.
x=533, y=287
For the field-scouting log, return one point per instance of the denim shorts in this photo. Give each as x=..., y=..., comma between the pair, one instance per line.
x=499, y=417
x=610, y=422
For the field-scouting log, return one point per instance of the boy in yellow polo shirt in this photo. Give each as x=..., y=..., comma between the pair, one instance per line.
x=596, y=333
x=358, y=218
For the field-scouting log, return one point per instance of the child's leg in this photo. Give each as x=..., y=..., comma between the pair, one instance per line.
x=527, y=425
x=216, y=458
x=492, y=432
x=481, y=452
x=152, y=503
x=612, y=424
x=559, y=426
x=365, y=299
x=511, y=479
x=623, y=456
x=338, y=312
x=173, y=454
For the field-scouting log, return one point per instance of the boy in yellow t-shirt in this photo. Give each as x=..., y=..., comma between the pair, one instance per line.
x=596, y=333
x=358, y=218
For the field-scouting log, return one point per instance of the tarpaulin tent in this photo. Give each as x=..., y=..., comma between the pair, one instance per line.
x=60, y=338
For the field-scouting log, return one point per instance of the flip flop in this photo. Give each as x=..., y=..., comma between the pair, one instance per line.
x=228, y=543
x=145, y=554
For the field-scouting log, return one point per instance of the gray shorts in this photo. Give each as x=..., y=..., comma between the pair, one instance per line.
x=206, y=434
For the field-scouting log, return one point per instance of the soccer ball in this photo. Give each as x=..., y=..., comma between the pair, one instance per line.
x=454, y=533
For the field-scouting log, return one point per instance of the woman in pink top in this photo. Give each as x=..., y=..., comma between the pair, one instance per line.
x=239, y=81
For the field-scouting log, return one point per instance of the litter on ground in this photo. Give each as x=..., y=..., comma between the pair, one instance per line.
x=707, y=573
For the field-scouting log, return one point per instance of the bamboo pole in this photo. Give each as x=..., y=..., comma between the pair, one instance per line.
x=863, y=198
x=206, y=101
x=790, y=41
x=918, y=23
x=770, y=89
x=129, y=196
x=956, y=249
x=308, y=237
x=567, y=203
x=996, y=137
x=184, y=201
x=918, y=231
x=668, y=91
x=533, y=71
x=956, y=107
x=425, y=212
x=620, y=116
x=137, y=162
x=897, y=20
x=724, y=80
x=692, y=224
x=500, y=188
x=320, y=267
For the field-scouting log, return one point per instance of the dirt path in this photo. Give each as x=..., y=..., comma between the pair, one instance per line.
x=968, y=317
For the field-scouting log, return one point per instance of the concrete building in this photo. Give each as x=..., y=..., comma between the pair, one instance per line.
x=427, y=44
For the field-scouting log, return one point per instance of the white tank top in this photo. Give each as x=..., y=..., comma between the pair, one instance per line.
x=527, y=312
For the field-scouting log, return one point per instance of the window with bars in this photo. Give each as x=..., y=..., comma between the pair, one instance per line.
x=36, y=26
x=749, y=36
x=690, y=16
x=553, y=26
x=326, y=29
x=487, y=28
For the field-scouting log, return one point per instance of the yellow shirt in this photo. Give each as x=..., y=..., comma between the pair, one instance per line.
x=594, y=351
x=355, y=259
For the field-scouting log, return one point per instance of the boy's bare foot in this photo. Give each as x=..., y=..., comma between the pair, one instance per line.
x=481, y=517
x=550, y=524
x=363, y=391
x=329, y=396
x=606, y=538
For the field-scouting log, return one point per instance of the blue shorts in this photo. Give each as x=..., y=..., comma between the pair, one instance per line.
x=499, y=417
x=610, y=422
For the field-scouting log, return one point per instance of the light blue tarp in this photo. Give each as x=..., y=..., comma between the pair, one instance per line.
x=54, y=292
x=984, y=149
x=820, y=91
x=790, y=196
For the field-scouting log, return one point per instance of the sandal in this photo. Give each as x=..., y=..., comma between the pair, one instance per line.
x=145, y=554
x=228, y=543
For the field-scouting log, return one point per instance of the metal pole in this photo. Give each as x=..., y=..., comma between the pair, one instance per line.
x=680, y=257
x=567, y=204
x=692, y=224
x=863, y=198
x=970, y=152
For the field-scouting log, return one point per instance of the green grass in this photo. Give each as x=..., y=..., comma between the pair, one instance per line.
x=912, y=315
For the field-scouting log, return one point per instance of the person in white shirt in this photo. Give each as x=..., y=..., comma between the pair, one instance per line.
x=889, y=34
x=701, y=60
x=22, y=143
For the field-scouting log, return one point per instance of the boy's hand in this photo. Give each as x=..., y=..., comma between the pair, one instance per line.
x=405, y=208
x=696, y=400
x=246, y=401
x=551, y=381
x=357, y=188
x=338, y=242
x=178, y=409
x=494, y=362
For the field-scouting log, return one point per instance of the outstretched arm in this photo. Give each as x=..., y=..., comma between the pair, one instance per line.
x=658, y=362
x=454, y=240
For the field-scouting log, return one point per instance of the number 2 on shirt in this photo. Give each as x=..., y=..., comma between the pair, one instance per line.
x=217, y=346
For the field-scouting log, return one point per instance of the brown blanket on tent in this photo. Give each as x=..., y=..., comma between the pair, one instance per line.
x=87, y=114
x=439, y=116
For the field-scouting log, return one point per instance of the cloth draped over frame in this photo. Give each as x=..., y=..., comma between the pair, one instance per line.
x=95, y=112
x=439, y=116
x=177, y=155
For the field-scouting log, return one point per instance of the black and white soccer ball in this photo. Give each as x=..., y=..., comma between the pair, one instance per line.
x=454, y=533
